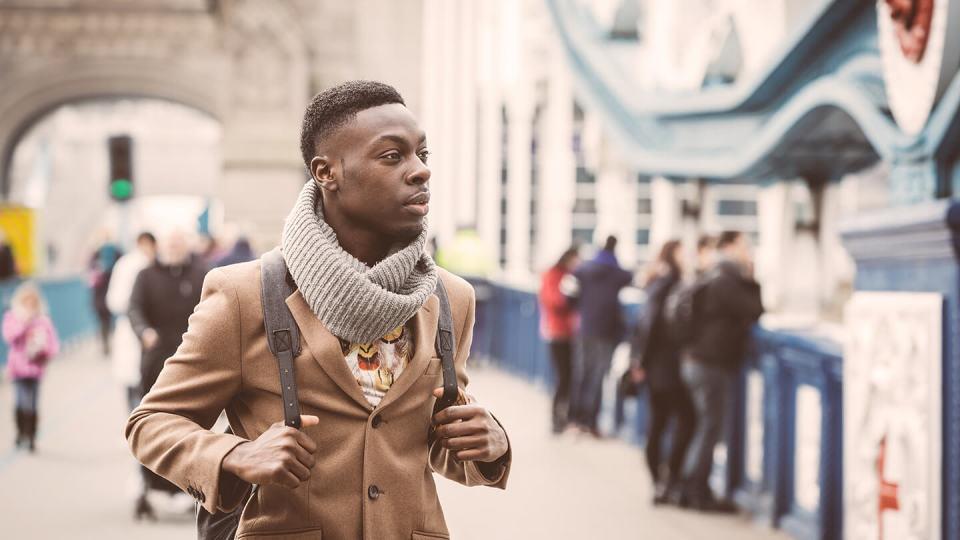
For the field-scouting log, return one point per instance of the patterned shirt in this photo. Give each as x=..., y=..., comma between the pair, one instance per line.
x=377, y=365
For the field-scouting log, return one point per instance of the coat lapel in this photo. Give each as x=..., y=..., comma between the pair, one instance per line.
x=325, y=348
x=425, y=333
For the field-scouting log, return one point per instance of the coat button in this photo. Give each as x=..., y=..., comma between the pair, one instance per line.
x=373, y=492
x=376, y=421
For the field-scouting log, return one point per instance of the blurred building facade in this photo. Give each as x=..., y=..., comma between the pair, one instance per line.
x=250, y=66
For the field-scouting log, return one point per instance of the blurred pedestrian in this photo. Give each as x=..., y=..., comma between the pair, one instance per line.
x=602, y=328
x=163, y=297
x=8, y=264
x=101, y=265
x=727, y=307
x=655, y=360
x=208, y=249
x=240, y=252
x=706, y=254
x=32, y=342
x=558, y=324
x=126, y=345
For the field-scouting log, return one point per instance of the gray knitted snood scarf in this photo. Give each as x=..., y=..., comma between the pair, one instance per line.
x=355, y=302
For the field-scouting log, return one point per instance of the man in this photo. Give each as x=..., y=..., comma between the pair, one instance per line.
x=601, y=328
x=706, y=254
x=726, y=307
x=126, y=351
x=163, y=297
x=368, y=374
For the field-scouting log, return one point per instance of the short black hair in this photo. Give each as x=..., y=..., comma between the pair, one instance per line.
x=706, y=241
x=147, y=237
x=611, y=243
x=727, y=238
x=336, y=106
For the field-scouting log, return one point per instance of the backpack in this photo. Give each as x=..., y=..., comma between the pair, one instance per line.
x=283, y=339
x=681, y=311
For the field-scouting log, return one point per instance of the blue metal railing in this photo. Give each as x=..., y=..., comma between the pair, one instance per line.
x=785, y=439
x=70, y=308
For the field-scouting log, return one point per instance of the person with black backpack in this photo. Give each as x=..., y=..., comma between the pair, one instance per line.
x=339, y=358
x=655, y=360
x=721, y=308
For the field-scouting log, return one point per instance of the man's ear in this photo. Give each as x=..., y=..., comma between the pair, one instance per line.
x=321, y=168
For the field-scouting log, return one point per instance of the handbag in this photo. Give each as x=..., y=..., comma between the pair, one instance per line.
x=283, y=340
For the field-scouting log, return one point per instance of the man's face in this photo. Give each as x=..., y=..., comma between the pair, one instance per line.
x=741, y=250
x=374, y=171
x=148, y=248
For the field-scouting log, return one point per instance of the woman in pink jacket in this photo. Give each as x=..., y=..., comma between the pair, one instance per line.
x=32, y=342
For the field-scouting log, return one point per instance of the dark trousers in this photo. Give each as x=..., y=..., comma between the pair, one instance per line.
x=561, y=355
x=666, y=405
x=710, y=389
x=26, y=400
x=591, y=365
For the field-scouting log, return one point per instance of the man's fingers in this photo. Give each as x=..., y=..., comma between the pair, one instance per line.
x=465, y=443
x=299, y=470
x=306, y=442
x=438, y=392
x=309, y=420
x=458, y=429
x=303, y=456
x=471, y=455
x=457, y=412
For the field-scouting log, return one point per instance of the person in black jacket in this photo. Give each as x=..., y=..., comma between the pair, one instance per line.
x=655, y=358
x=726, y=308
x=164, y=295
x=602, y=328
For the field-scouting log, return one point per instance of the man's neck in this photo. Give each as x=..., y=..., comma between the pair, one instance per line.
x=366, y=246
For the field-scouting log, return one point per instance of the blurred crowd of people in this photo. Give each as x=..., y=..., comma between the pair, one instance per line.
x=687, y=343
x=143, y=299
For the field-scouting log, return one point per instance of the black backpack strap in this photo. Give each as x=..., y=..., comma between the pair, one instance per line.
x=446, y=345
x=283, y=335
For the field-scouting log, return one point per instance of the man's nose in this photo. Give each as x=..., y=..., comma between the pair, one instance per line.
x=421, y=175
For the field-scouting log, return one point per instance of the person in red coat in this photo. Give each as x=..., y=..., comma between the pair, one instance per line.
x=558, y=325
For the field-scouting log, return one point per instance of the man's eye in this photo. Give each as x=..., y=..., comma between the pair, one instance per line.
x=392, y=156
x=424, y=155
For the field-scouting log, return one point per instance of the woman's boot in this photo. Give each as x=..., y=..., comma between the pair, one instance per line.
x=20, y=428
x=30, y=431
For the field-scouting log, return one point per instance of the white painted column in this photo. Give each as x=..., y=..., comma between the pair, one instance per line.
x=557, y=187
x=465, y=117
x=774, y=213
x=616, y=209
x=666, y=212
x=520, y=115
x=489, y=154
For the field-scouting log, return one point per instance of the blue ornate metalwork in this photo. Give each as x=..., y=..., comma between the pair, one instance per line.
x=830, y=71
x=510, y=339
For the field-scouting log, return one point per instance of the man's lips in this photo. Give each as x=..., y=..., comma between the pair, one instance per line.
x=421, y=198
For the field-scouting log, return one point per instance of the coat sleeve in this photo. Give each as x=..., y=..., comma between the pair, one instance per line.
x=739, y=298
x=442, y=460
x=137, y=311
x=170, y=432
x=13, y=327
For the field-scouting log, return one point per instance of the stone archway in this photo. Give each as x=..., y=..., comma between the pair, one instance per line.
x=243, y=62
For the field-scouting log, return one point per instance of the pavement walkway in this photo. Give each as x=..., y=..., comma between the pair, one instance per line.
x=81, y=482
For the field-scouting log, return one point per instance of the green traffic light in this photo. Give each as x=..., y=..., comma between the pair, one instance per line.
x=121, y=189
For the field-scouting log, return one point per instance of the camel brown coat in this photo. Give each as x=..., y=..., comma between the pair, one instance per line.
x=373, y=477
